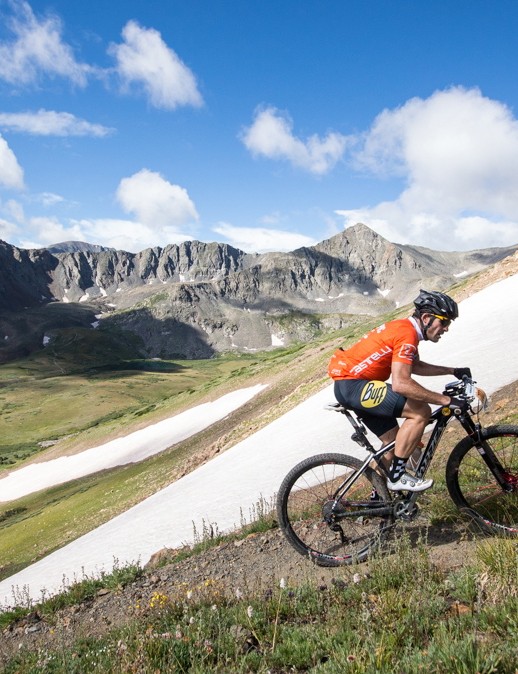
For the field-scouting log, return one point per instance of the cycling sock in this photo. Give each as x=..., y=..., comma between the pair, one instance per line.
x=397, y=468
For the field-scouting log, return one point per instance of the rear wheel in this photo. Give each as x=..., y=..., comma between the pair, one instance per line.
x=475, y=489
x=333, y=533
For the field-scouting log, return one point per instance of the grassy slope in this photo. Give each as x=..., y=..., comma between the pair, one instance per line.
x=33, y=526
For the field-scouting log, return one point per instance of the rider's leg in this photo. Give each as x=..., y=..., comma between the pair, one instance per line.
x=416, y=415
x=387, y=438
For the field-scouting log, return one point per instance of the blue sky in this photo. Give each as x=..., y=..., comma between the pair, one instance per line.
x=267, y=125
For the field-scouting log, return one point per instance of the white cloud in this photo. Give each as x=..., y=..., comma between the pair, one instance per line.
x=11, y=173
x=8, y=230
x=261, y=239
x=145, y=59
x=37, y=49
x=163, y=212
x=155, y=201
x=51, y=123
x=49, y=198
x=15, y=210
x=49, y=230
x=121, y=234
x=271, y=135
x=128, y=234
x=458, y=153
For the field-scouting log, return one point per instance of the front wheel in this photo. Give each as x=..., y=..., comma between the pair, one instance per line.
x=473, y=485
x=331, y=532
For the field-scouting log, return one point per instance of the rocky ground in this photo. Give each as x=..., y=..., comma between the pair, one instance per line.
x=250, y=565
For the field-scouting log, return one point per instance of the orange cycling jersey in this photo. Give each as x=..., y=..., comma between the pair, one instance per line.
x=372, y=356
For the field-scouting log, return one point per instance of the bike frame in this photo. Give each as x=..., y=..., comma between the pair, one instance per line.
x=440, y=418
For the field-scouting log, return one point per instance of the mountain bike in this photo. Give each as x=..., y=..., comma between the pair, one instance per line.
x=336, y=509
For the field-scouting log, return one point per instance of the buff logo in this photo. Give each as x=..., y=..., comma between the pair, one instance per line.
x=373, y=394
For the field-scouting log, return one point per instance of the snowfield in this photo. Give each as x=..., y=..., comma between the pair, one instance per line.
x=227, y=488
x=130, y=449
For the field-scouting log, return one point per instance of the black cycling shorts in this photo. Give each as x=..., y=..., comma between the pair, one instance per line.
x=375, y=402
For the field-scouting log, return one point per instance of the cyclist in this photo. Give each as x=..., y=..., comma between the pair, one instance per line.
x=361, y=372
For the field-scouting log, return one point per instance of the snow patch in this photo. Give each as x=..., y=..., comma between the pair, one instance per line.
x=134, y=447
x=46, y=340
x=383, y=293
x=277, y=341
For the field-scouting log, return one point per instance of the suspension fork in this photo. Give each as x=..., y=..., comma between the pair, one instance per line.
x=486, y=452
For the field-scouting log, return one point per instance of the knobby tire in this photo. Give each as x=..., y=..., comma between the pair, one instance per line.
x=308, y=490
x=473, y=487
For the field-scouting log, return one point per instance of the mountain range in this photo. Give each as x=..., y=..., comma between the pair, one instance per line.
x=195, y=299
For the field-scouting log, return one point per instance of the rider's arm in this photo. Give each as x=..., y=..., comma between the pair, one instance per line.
x=429, y=370
x=403, y=383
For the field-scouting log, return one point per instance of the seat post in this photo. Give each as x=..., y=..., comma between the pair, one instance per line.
x=359, y=435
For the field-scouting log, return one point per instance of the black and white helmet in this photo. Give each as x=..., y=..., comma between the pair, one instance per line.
x=433, y=302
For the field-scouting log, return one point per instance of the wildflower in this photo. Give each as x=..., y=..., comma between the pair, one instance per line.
x=191, y=620
x=121, y=647
x=282, y=583
x=189, y=594
x=239, y=594
x=214, y=607
x=356, y=578
x=250, y=611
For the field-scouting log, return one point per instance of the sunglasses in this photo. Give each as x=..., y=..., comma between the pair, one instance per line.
x=445, y=322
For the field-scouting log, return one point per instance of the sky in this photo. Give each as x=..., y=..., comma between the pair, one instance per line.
x=263, y=124
x=229, y=486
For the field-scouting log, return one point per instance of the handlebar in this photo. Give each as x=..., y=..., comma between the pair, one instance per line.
x=465, y=388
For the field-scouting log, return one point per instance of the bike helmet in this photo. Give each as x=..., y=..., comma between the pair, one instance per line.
x=433, y=302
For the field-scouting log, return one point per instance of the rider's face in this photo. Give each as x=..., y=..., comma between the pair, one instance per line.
x=436, y=327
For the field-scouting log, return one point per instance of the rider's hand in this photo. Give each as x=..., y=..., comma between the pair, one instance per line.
x=458, y=405
x=460, y=372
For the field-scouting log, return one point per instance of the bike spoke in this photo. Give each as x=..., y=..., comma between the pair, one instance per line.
x=330, y=531
x=474, y=486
